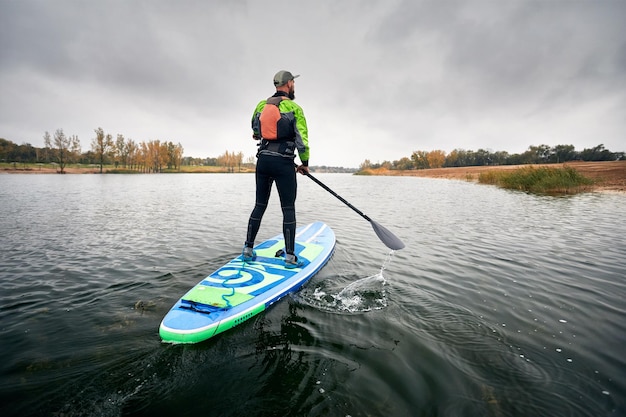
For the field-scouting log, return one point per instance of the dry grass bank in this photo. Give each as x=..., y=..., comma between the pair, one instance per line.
x=609, y=175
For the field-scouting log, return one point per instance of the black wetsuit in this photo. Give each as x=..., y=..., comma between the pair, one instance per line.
x=270, y=169
x=275, y=164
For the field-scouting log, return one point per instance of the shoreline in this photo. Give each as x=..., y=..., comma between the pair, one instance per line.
x=42, y=170
x=610, y=175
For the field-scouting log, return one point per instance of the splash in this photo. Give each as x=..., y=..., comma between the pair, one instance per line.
x=363, y=295
x=387, y=261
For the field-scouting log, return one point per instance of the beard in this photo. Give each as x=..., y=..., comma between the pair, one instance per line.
x=292, y=94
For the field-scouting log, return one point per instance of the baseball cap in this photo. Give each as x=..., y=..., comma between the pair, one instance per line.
x=282, y=77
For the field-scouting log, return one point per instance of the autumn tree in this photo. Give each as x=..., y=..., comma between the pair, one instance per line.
x=162, y=155
x=142, y=157
x=102, y=145
x=230, y=160
x=436, y=158
x=420, y=159
x=120, y=155
x=131, y=150
x=174, y=155
x=452, y=160
x=460, y=158
x=239, y=159
x=153, y=155
x=62, y=148
x=153, y=148
x=403, y=164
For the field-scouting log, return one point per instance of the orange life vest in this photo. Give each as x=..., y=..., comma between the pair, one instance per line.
x=269, y=118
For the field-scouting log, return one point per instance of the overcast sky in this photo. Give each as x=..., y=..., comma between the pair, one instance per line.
x=379, y=79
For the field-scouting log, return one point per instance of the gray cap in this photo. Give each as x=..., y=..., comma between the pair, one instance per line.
x=282, y=77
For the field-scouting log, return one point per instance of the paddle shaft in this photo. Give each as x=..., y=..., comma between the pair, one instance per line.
x=388, y=238
x=343, y=200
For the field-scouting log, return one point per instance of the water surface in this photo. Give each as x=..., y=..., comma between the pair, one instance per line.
x=502, y=303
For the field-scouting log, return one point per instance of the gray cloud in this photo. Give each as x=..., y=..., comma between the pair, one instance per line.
x=380, y=79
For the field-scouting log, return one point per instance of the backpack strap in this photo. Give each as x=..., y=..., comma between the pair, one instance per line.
x=275, y=100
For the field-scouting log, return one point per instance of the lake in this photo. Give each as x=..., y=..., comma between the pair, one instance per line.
x=501, y=304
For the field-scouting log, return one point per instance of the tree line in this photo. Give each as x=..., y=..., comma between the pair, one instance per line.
x=542, y=154
x=150, y=156
x=60, y=149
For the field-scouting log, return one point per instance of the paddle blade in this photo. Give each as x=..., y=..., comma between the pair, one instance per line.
x=389, y=239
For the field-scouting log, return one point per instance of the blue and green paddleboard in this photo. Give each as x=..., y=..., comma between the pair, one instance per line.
x=239, y=290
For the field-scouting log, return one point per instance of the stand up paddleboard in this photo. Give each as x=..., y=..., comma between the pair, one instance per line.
x=239, y=290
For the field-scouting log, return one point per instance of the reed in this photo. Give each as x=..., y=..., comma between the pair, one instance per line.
x=541, y=180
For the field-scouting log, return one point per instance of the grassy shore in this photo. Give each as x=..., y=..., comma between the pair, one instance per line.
x=609, y=176
x=542, y=180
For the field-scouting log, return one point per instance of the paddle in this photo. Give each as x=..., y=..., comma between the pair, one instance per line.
x=388, y=238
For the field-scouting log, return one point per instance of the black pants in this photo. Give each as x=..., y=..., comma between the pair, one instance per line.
x=270, y=169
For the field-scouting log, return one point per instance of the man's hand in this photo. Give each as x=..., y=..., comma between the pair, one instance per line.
x=302, y=169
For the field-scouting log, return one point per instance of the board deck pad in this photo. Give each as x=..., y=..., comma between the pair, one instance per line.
x=239, y=290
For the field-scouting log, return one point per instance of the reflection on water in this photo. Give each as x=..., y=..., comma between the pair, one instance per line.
x=502, y=304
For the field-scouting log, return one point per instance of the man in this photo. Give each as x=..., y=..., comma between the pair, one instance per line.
x=279, y=124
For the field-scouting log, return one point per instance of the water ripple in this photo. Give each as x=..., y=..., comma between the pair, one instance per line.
x=502, y=303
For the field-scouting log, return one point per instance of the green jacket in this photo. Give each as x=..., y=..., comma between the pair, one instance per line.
x=293, y=124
